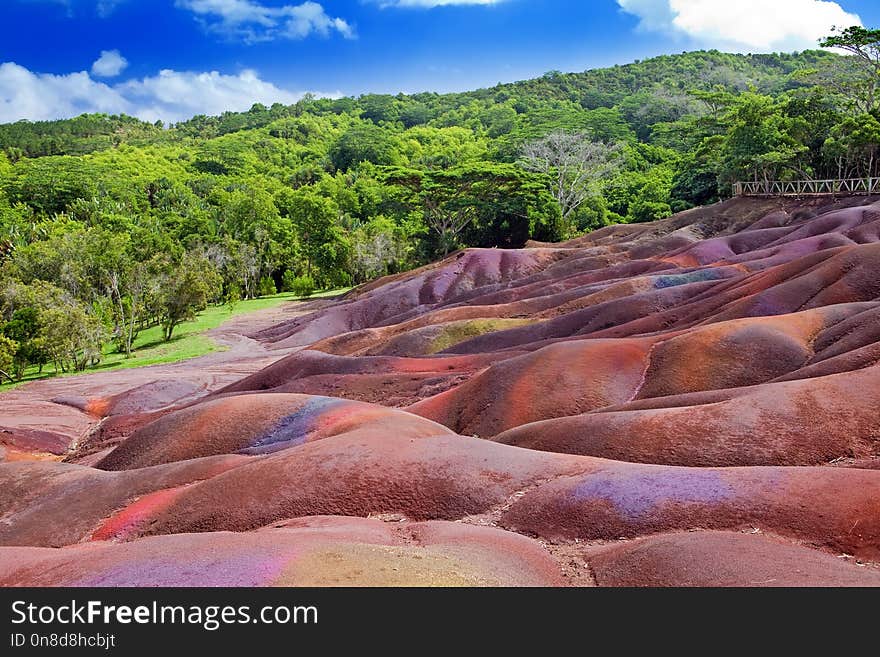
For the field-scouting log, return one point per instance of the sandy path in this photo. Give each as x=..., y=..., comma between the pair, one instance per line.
x=31, y=407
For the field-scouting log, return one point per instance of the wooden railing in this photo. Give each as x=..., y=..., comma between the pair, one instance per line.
x=846, y=187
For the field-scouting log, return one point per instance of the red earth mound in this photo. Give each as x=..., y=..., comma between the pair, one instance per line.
x=20, y=444
x=687, y=402
x=258, y=424
x=389, y=381
x=809, y=421
x=724, y=559
x=58, y=504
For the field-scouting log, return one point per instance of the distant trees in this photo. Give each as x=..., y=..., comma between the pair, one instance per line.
x=575, y=165
x=449, y=205
x=379, y=108
x=852, y=142
x=24, y=329
x=128, y=286
x=854, y=146
x=8, y=349
x=378, y=248
x=73, y=337
x=490, y=204
x=863, y=44
x=301, y=286
x=186, y=288
x=324, y=245
x=47, y=324
x=84, y=134
x=762, y=140
x=250, y=217
x=363, y=142
x=50, y=184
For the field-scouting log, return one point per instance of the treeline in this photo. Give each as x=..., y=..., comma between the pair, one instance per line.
x=125, y=224
x=78, y=136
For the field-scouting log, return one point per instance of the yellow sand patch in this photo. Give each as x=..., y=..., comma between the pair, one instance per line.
x=378, y=565
x=455, y=332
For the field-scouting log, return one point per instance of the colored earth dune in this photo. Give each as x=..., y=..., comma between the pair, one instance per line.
x=689, y=402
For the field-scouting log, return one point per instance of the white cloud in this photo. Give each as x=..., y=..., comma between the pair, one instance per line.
x=106, y=7
x=428, y=4
x=174, y=95
x=170, y=96
x=103, y=8
x=744, y=25
x=110, y=64
x=38, y=96
x=253, y=22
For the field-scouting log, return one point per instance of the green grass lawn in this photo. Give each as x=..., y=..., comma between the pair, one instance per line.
x=188, y=340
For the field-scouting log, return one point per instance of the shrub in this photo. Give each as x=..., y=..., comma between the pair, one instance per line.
x=233, y=296
x=266, y=287
x=641, y=211
x=301, y=286
x=8, y=347
x=288, y=280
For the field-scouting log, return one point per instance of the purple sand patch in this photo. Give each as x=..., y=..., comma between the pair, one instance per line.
x=766, y=305
x=291, y=430
x=802, y=247
x=712, y=250
x=236, y=570
x=635, y=494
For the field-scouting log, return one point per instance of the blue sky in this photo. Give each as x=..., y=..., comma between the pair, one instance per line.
x=170, y=59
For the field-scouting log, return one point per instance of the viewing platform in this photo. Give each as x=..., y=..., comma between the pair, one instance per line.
x=800, y=188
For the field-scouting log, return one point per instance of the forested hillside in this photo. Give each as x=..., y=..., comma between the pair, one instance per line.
x=109, y=224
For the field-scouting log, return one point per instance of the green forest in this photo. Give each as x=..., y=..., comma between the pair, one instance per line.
x=110, y=226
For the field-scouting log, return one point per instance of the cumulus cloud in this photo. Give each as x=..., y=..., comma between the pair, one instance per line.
x=110, y=64
x=170, y=96
x=174, y=95
x=253, y=22
x=745, y=25
x=40, y=96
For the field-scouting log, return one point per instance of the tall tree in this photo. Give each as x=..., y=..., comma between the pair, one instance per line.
x=575, y=165
x=315, y=219
x=864, y=46
x=186, y=290
x=762, y=141
x=8, y=350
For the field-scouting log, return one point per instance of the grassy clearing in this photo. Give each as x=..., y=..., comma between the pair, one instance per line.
x=188, y=341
